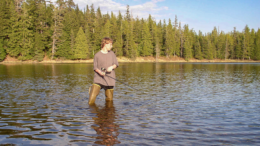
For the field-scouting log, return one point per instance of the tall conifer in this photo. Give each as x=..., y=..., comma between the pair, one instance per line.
x=177, y=38
x=214, y=40
x=57, y=28
x=27, y=36
x=14, y=48
x=187, y=43
x=246, y=43
x=146, y=43
x=252, y=44
x=169, y=40
x=5, y=14
x=197, y=51
x=81, y=45
x=2, y=51
x=257, y=45
x=208, y=48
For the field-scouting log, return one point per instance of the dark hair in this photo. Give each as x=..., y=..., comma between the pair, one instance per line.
x=106, y=40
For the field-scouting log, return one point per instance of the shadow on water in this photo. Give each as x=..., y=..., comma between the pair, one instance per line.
x=105, y=125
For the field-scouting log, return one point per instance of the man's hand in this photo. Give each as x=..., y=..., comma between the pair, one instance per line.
x=100, y=72
x=110, y=68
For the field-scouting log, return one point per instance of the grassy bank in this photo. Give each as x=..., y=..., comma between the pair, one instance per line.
x=9, y=59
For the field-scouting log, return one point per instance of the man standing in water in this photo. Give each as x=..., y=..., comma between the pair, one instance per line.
x=106, y=59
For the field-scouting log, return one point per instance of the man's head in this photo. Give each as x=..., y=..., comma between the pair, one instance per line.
x=107, y=42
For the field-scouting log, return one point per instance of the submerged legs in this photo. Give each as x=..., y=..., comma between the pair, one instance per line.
x=109, y=94
x=94, y=91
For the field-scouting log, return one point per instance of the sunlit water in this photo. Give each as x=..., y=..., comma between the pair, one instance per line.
x=175, y=104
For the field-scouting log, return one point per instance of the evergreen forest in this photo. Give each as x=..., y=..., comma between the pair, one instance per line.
x=34, y=29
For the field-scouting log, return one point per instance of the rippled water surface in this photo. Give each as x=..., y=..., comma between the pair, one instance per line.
x=176, y=104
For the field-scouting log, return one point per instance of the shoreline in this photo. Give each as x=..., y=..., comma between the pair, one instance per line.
x=10, y=60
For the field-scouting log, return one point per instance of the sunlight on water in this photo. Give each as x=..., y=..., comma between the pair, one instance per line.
x=174, y=104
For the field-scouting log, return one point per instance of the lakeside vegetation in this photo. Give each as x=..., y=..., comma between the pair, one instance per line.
x=37, y=29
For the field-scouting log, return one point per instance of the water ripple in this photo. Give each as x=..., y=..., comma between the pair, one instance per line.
x=176, y=104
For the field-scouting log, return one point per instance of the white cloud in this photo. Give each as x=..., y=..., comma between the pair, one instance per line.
x=141, y=10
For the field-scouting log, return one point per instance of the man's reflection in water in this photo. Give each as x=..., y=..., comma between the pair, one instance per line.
x=104, y=124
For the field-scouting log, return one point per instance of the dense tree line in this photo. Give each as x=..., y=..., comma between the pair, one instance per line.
x=33, y=29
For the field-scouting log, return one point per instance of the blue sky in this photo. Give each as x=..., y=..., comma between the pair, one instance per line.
x=198, y=14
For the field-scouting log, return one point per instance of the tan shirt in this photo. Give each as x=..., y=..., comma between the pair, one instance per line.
x=102, y=60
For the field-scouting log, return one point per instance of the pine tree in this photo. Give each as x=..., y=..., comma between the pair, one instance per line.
x=156, y=39
x=126, y=25
x=160, y=37
x=238, y=50
x=197, y=49
x=113, y=26
x=92, y=23
x=234, y=43
x=13, y=48
x=81, y=45
x=64, y=49
x=72, y=43
x=118, y=42
x=229, y=46
x=252, y=44
x=221, y=46
x=246, y=43
x=128, y=17
x=169, y=40
x=132, y=46
x=87, y=34
x=117, y=45
x=176, y=50
x=187, y=49
x=146, y=41
x=208, y=48
x=181, y=40
x=27, y=35
x=88, y=17
x=187, y=43
x=215, y=45
x=226, y=47
x=38, y=47
x=40, y=23
x=257, y=45
x=125, y=37
x=47, y=34
x=58, y=26
x=80, y=18
x=2, y=51
x=151, y=29
x=106, y=29
x=71, y=4
x=5, y=15
x=97, y=31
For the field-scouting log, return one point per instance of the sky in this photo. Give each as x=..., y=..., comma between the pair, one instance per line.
x=201, y=15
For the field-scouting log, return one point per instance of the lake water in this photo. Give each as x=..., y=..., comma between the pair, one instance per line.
x=175, y=104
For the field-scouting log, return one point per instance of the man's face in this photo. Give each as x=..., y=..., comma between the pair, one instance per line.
x=109, y=46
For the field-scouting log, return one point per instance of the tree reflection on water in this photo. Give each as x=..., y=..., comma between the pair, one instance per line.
x=105, y=125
